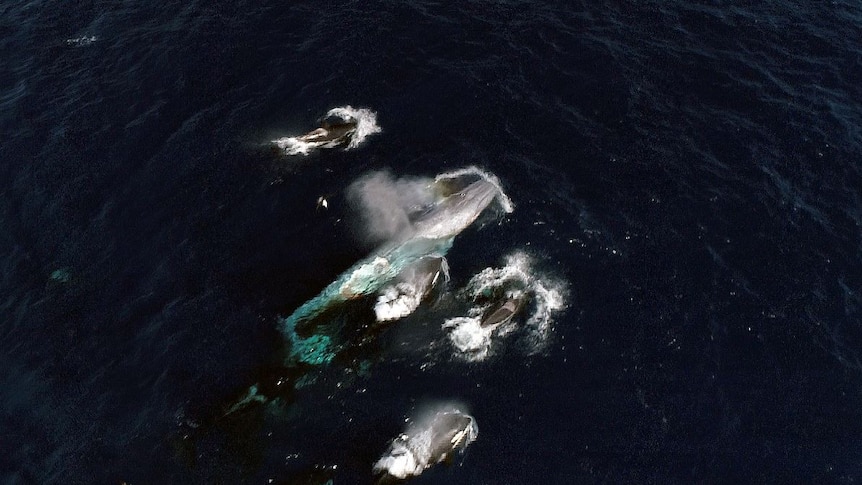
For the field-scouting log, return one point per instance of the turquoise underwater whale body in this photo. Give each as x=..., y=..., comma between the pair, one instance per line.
x=432, y=234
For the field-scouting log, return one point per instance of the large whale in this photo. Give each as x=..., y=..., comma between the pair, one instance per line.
x=315, y=332
x=431, y=234
x=456, y=212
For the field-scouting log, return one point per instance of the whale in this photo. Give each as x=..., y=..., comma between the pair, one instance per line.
x=453, y=214
x=344, y=126
x=406, y=292
x=326, y=327
x=502, y=312
x=432, y=234
x=327, y=133
x=433, y=440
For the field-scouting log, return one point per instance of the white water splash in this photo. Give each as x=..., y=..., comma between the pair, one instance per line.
x=516, y=279
x=366, y=125
x=431, y=439
x=468, y=336
x=430, y=233
x=402, y=298
x=81, y=41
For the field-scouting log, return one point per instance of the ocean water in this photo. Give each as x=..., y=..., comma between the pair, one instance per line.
x=690, y=172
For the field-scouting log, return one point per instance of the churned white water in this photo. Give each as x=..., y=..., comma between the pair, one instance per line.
x=545, y=297
x=402, y=298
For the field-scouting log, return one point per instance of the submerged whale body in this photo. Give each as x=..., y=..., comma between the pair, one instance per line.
x=434, y=440
x=430, y=235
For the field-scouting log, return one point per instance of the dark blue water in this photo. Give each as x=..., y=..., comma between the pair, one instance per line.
x=691, y=169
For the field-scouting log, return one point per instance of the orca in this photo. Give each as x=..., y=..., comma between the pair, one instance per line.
x=412, y=285
x=502, y=313
x=456, y=212
x=431, y=441
x=330, y=133
x=344, y=127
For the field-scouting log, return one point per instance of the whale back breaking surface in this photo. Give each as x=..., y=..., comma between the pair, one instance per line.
x=344, y=126
x=431, y=234
x=456, y=212
x=432, y=440
x=502, y=313
x=404, y=295
x=337, y=133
